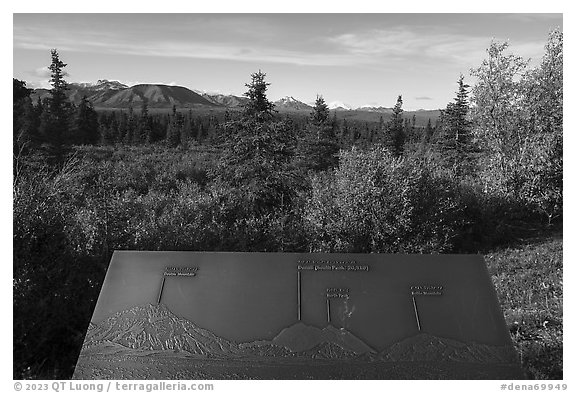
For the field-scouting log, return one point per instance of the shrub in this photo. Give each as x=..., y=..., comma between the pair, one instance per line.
x=55, y=283
x=377, y=203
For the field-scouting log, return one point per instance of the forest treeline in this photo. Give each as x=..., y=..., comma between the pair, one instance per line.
x=487, y=173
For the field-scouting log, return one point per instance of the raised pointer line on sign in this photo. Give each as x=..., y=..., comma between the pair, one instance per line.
x=299, y=297
x=161, y=289
x=416, y=312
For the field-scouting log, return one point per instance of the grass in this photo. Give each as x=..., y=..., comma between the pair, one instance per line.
x=528, y=279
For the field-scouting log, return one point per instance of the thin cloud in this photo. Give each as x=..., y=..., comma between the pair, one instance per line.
x=202, y=51
x=423, y=98
x=44, y=72
x=531, y=18
x=38, y=85
x=403, y=44
x=381, y=47
x=230, y=52
x=225, y=50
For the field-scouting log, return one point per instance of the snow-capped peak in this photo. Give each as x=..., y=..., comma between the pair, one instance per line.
x=106, y=84
x=339, y=105
x=101, y=84
x=84, y=84
x=374, y=108
x=288, y=99
x=291, y=103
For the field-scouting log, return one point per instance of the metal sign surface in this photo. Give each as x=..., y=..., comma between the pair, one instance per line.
x=190, y=315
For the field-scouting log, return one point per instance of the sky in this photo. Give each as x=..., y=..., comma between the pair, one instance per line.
x=358, y=59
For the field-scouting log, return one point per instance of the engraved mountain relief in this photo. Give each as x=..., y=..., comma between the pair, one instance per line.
x=425, y=347
x=155, y=329
x=301, y=337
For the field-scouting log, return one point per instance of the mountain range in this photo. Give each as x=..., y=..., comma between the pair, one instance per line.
x=229, y=101
x=379, y=109
x=113, y=94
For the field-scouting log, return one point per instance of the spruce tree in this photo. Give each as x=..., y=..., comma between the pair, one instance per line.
x=173, y=133
x=29, y=125
x=258, y=106
x=57, y=128
x=395, y=135
x=320, y=112
x=142, y=130
x=122, y=127
x=455, y=140
x=55, y=112
x=428, y=132
x=318, y=149
x=106, y=134
x=186, y=133
x=345, y=135
x=24, y=120
x=257, y=152
x=130, y=127
x=85, y=129
x=20, y=95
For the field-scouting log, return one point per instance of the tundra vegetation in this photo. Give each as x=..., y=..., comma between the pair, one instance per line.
x=486, y=177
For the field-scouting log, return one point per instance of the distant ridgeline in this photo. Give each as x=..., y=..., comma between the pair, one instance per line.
x=105, y=94
x=187, y=315
x=111, y=113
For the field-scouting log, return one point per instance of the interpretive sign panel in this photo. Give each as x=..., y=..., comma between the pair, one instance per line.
x=201, y=315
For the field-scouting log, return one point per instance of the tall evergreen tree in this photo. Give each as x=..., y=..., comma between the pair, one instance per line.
x=85, y=129
x=320, y=112
x=24, y=116
x=395, y=135
x=106, y=133
x=344, y=138
x=130, y=127
x=173, y=133
x=456, y=140
x=58, y=109
x=143, y=128
x=258, y=106
x=428, y=132
x=380, y=130
x=186, y=133
x=29, y=126
x=122, y=127
x=20, y=94
x=318, y=149
x=257, y=153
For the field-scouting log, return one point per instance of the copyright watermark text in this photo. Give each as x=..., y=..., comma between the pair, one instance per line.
x=112, y=386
